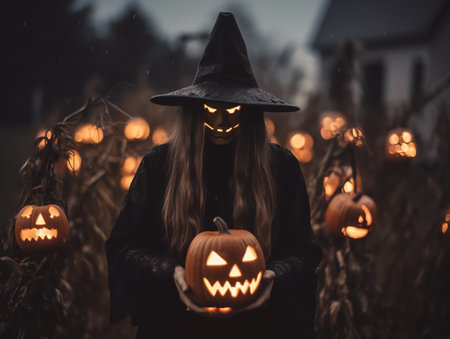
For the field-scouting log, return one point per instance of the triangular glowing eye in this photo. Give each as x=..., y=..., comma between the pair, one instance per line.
x=215, y=260
x=250, y=254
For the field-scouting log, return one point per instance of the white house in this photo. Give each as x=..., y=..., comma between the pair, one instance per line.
x=405, y=47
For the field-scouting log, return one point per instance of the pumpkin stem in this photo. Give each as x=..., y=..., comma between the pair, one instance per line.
x=357, y=197
x=221, y=225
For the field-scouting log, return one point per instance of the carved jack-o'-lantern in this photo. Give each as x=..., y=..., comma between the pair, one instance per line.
x=400, y=144
x=224, y=268
x=41, y=229
x=350, y=215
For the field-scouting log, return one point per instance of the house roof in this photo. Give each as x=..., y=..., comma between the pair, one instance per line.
x=377, y=23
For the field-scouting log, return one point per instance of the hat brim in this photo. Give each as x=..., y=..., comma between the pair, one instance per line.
x=218, y=92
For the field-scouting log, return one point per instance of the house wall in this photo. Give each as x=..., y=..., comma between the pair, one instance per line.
x=440, y=56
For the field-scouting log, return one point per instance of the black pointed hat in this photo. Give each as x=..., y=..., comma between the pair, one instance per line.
x=224, y=74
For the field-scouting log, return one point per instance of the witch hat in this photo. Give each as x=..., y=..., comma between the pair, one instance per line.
x=224, y=74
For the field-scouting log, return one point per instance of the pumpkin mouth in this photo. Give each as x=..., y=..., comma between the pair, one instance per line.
x=234, y=290
x=29, y=234
x=354, y=232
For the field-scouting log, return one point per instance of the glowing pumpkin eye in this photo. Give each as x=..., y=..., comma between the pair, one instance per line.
x=215, y=260
x=27, y=212
x=209, y=109
x=232, y=110
x=368, y=215
x=53, y=212
x=250, y=254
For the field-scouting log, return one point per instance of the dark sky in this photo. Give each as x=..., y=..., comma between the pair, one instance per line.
x=285, y=22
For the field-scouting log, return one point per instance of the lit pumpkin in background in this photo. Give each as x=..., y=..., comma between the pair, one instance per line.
x=73, y=162
x=340, y=176
x=301, y=144
x=137, y=129
x=129, y=168
x=446, y=222
x=41, y=229
x=224, y=268
x=88, y=134
x=160, y=136
x=331, y=124
x=355, y=136
x=351, y=215
x=400, y=144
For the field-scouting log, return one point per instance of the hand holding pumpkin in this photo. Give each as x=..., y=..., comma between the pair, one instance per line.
x=183, y=291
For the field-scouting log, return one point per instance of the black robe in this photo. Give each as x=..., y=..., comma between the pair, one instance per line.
x=141, y=265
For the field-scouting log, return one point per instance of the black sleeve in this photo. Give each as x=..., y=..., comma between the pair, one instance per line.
x=295, y=256
x=139, y=264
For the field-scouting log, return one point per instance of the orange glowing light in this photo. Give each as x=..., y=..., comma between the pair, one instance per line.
x=232, y=110
x=125, y=181
x=73, y=162
x=354, y=232
x=160, y=136
x=332, y=123
x=28, y=234
x=234, y=290
x=218, y=309
x=303, y=155
x=250, y=254
x=88, y=134
x=214, y=259
x=354, y=135
x=298, y=141
x=137, y=129
x=43, y=133
x=235, y=272
x=130, y=165
x=301, y=145
x=400, y=144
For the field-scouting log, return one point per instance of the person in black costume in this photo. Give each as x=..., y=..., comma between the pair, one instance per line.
x=218, y=163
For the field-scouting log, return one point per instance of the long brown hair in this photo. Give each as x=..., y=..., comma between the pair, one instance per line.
x=254, y=202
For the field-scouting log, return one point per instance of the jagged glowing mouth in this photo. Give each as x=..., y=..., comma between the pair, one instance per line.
x=29, y=234
x=234, y=290
x=221, y=130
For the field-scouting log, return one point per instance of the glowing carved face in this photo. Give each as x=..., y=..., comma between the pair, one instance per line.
x=41, y=228
x=234, y=285
x=224, y=269
x=351, y=215
x=221, y=122
x=362, y=228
